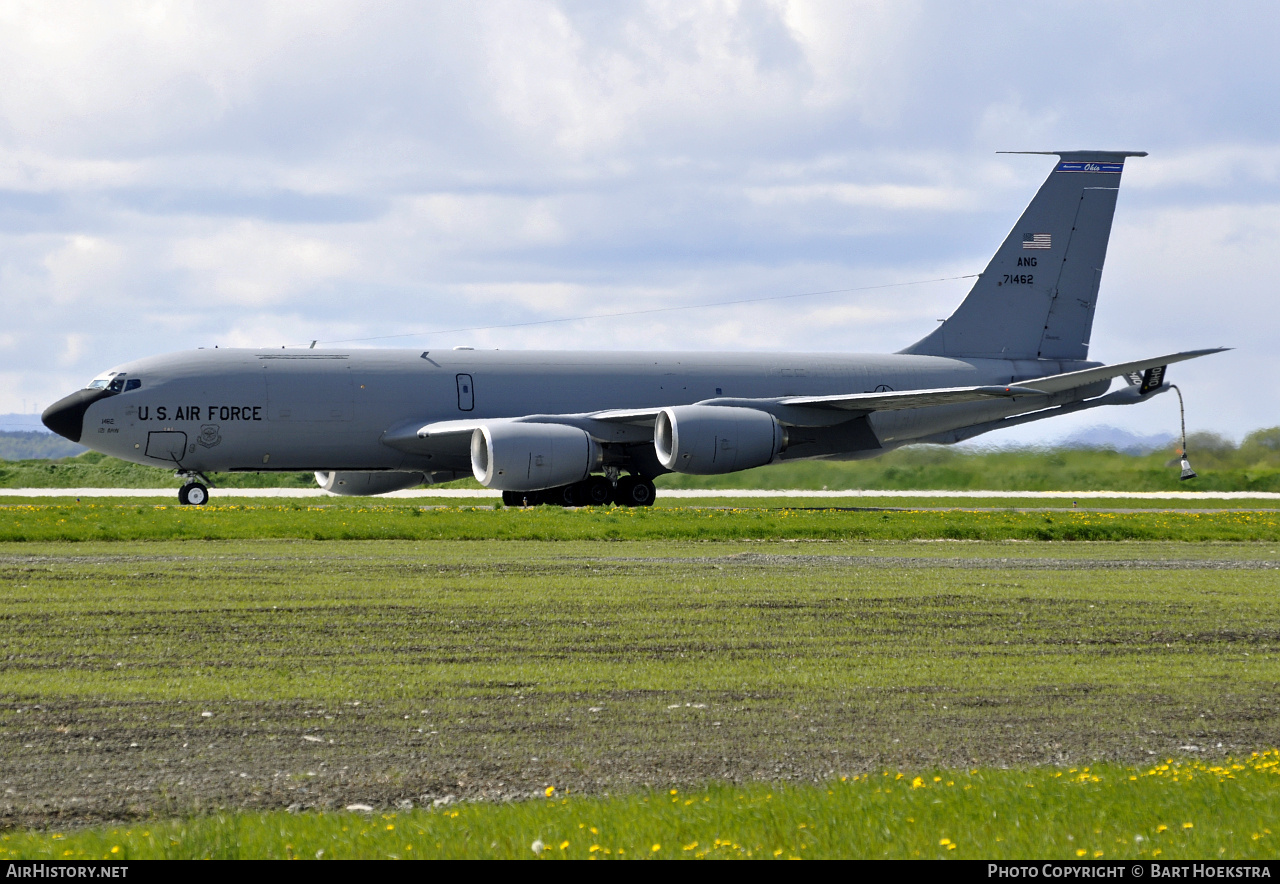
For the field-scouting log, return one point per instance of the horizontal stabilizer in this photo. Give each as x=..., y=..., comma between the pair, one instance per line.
x=1059, y=382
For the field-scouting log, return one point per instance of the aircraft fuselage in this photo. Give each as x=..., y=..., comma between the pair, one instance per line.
x=264, y=410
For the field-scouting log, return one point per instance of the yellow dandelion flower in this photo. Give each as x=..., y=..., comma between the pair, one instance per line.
x=551, y=790
x=655, y=848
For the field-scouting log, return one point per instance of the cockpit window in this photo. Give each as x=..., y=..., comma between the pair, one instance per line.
x=114, y=382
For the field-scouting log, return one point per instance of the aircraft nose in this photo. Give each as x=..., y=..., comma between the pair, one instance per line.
x=66, y=416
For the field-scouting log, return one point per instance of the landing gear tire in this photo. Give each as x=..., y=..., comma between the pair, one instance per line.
x=596, y=491
x=193, y=494
x=635, y=491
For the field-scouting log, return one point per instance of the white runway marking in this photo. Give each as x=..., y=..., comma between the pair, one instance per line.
x=673, y=494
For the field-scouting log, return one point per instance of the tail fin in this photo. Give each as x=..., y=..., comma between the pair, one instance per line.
x=1037, y=296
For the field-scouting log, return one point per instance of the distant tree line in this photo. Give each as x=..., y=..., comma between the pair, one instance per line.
x=36, y=445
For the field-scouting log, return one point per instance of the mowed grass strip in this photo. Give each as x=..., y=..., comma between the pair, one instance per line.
x=369, y=521
x=171, y=677
x=1168, y=810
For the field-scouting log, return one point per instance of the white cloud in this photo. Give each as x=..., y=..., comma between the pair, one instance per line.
x=79, y=269
x=880, y=196
x=256, y=265
x=176, y=174
x=1208, y=166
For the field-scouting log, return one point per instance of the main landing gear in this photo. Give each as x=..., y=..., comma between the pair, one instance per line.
x=196, y=490
x=592, y=491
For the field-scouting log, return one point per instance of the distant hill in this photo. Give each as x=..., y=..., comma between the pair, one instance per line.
x=1119, y=440
x=31, y=445
x=21, y=423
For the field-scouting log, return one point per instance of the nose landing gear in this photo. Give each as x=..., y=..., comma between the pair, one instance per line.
x=195, y=492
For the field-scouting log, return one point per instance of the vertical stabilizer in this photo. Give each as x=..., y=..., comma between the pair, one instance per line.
x=1037, y=296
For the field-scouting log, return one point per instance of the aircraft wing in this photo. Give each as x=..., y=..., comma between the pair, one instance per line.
x=617, y=425
x=896, y=400
x=629, y=425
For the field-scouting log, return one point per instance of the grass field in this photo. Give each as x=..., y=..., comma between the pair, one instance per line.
x=164, y=678
x=406, y=520
x=174, y=678
x=1166, y=810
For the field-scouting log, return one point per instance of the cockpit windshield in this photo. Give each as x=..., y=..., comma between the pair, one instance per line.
x=114, y=383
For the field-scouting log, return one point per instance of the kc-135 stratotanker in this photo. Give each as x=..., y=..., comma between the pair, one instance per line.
x=590, y=427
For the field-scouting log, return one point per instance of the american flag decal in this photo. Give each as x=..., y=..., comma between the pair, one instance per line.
x=1037, y=241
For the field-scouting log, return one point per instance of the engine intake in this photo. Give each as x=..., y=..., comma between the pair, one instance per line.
x=711, y=439
x=358, y=484
x=531, y=457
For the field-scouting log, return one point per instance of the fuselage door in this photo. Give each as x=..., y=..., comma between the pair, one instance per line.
x=167, y=445
x=466, y=393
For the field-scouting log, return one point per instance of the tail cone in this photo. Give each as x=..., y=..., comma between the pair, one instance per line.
x=1187, y=472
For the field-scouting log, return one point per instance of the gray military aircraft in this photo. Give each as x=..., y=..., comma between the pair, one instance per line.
x=589, y=427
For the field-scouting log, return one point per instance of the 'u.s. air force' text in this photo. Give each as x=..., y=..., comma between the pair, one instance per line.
x=201, y=413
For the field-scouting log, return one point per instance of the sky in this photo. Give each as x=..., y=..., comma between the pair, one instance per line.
x=184, y=174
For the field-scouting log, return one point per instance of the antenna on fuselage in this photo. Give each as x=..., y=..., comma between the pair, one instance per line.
x=313, y=346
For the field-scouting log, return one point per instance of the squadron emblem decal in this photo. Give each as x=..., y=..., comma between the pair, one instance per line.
x=209, y=436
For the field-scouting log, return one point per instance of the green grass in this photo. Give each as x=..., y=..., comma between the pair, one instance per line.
x=196, y=688
x=1117, y=505
x=383, y=670
x=1222, y=466
x=1165, y=811
x=363, y=520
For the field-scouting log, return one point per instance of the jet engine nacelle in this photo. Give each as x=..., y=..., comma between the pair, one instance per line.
x=531, y=457
x=711, y=439
x=353, y=484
